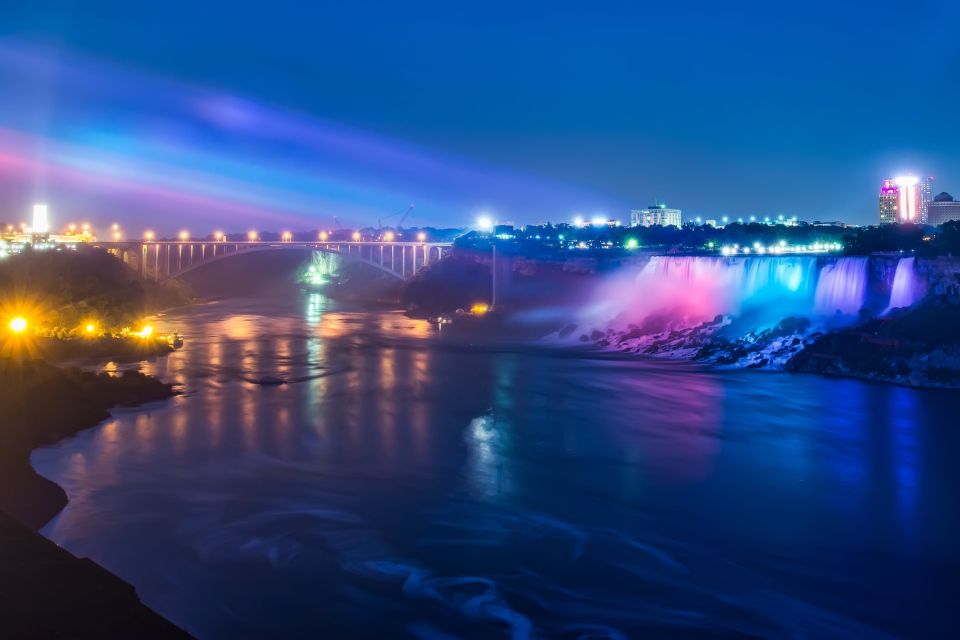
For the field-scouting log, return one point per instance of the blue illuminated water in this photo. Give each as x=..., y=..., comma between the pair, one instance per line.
x=408, y=485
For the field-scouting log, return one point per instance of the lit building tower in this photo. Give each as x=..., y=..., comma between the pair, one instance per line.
x=925, y=187
x=41, y=220
x=889, y=199
x=908, y=204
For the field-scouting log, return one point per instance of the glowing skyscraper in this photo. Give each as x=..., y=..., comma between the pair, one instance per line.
x=889, y=199
x=908, y=205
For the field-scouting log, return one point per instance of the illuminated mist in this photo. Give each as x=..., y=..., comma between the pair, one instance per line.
x=685, y=291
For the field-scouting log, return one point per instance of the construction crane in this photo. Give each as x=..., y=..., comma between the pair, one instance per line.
x=403, y=216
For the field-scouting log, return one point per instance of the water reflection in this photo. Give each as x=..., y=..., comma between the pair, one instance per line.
x=401, y=484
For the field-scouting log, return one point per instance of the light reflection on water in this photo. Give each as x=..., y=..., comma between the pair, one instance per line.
x=400, y=484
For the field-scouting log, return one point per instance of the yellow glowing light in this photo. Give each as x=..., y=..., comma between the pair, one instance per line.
x=116, y=235
x=90, y=328
x=479, y=309
x=146, y=332
x=218, y=235
x=421, y=236
x=323, y=236
x=72, y=227
x=252, y=236
x=18, y=325
x=148, y=235
x=356, y=236
x=388, y=236
x=287, y=236
x=184, y=236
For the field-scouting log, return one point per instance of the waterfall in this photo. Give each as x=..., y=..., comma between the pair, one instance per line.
x=906, y=291
x=841, y=287
x=686, y=290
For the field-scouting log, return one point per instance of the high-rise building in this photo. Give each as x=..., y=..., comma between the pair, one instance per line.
x=654, y=215
x=889, y=199
x=902, y=199
x=925, y=188
x=943, y=209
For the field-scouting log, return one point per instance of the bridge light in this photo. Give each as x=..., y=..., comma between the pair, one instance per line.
x=148, y=235
x=356, y=236
x=323, y=236
x=388, y=236
x=18, y=324
x=421, y=236
x=184, y=236
x=287, y=236
x=252, y=236
x=218, y=236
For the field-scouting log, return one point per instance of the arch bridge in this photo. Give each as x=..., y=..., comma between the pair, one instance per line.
x=162, y=260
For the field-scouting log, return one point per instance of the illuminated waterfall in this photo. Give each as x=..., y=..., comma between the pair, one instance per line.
x=841, y=287
x=906, y=290
x=691, y=289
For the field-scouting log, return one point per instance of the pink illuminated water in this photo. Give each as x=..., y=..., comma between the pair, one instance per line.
x=692, y=289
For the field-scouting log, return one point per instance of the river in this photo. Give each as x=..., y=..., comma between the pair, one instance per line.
x=409, y=484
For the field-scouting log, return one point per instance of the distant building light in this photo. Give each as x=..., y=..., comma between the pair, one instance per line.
x=41, y=220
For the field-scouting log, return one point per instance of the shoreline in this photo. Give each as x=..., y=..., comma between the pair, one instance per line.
x=45, y=591
x=84, y=400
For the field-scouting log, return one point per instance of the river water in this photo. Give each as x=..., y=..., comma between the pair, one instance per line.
x=414, y=485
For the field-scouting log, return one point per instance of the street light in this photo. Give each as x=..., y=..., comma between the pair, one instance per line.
x=218, y=236
x=388, y=236
x=356, y=236
x=252, y=236
x=323, y=236
x=148, y=235
x=286, y=236
x=422, y=237
x=184, y=236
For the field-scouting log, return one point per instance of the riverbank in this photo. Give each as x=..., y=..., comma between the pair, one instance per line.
x=46, y=592
x=40, y=404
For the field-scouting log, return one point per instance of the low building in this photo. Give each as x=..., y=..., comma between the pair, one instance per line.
x=943, y=209
x=655, y=215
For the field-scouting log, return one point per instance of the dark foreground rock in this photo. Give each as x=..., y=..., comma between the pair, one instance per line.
x=41, y=404
x=45, y=593
x=918, y=346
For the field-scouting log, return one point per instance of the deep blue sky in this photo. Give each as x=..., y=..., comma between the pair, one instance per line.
x=715, y=107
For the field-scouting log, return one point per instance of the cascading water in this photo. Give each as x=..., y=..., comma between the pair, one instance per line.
x=688, y=290
x=841, y=287
x=906, y=290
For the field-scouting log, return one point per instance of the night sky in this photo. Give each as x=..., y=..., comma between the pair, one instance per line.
x=283, y=113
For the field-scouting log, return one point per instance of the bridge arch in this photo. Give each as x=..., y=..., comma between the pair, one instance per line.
x=161, y=261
